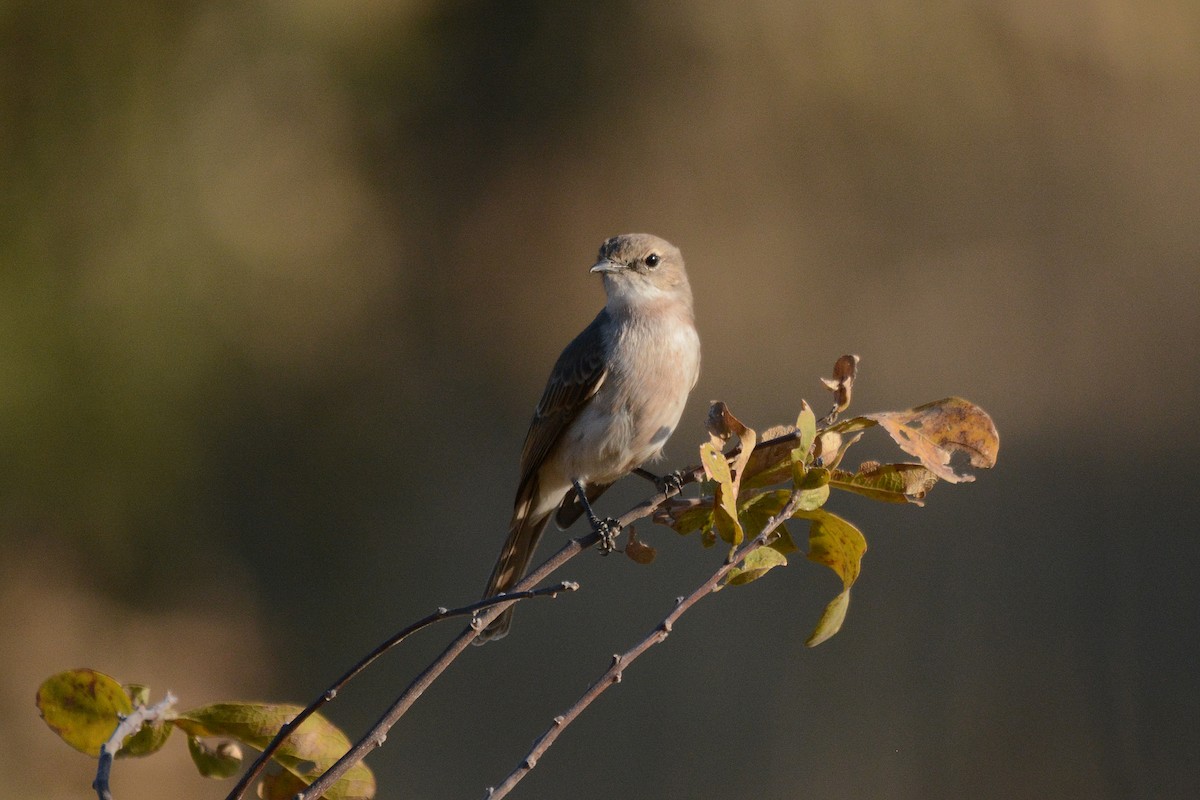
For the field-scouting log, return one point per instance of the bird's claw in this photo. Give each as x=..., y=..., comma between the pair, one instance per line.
x=671, y=483
x=607, y=529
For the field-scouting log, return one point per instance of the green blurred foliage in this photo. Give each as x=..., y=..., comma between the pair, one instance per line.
x=281, y=281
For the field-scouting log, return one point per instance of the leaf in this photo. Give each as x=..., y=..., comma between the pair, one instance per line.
x=139, y=695
x=685, y=514
x=725, y=516
x=306, y=753
x=758, y=508
x=771, y=463
x=813, y=487
x=831, y=621
x=149, y=739
x=282, y=785
x=891, y=483
x=783, y=542
x=222, y=761
x=933, y=432
x=806, y=424
x=722, y=424
x=845, y=370
x=83, y=706
x=760, y=561
x=837, y=544
x=636, y=550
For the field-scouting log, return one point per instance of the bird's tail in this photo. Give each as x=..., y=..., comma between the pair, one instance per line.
x=513, y=562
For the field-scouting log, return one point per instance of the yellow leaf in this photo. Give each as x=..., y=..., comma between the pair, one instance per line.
x=306, y=753
x=725, y=515
x=84, y=707
x=892, y=483
x=837, y=544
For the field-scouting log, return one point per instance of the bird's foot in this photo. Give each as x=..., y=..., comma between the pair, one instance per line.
x=671, y=483
x=607, y=529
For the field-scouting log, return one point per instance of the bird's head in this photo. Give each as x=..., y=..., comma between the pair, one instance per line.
x=640, y=268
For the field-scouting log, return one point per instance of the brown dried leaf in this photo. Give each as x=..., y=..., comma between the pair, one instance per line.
x=638, y=551
x=845, y=370
x=933, y=432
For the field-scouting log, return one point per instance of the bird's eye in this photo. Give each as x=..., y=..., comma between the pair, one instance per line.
x=653, y=260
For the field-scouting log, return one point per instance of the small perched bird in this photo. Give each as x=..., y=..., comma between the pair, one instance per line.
x=614, y=396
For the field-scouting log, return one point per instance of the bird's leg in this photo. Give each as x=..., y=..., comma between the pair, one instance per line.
x=607, y=528
x=671, y=483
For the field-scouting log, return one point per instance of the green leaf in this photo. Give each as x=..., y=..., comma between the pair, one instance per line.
x=306, y=753
x=831, y=621
x=83, y=706
x=758, y=508
x=783, y=542
x=223, y=761
x=760, y=561
x=891, y=483
x=686, y=514
x=139, y=695
x=149, y=739
x=813, y=487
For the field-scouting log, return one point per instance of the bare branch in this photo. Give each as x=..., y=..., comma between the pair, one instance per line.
x=378, y=733
x=620, y=662
x=128, y=726
x=329, y=694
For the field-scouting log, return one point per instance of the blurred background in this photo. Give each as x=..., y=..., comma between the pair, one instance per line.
x=282, y=281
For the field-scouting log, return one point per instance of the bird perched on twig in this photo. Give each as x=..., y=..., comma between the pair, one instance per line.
x=615, y=395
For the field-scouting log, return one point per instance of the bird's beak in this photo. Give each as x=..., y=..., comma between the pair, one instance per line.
x=607, y=267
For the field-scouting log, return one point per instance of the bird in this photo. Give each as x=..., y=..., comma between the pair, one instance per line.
x=613, y=398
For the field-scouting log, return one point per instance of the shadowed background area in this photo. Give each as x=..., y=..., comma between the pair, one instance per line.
x=282, y=282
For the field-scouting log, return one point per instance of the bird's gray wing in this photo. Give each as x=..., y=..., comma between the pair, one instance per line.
x=575, y=379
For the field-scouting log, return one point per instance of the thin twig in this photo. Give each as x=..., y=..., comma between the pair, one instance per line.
x=329, y=694
x=619, y=662
x=128, y=726
x=378, y=732
x=375, y=737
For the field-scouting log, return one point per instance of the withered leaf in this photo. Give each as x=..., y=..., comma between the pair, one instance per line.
x=638, y=551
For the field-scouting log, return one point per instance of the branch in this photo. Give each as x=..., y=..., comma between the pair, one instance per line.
x=619, y=662
x=329, y=694
x=128, y=726
x=376, y=736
